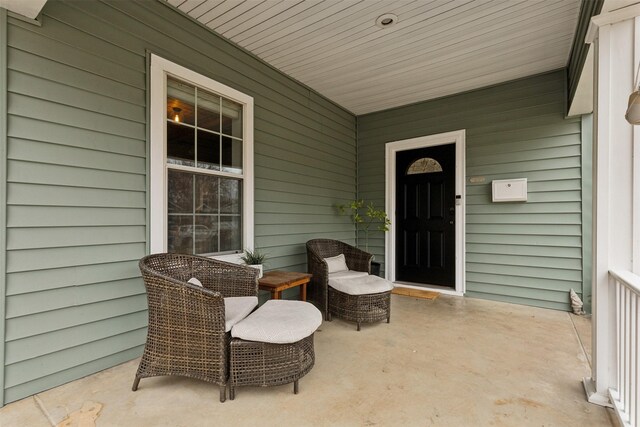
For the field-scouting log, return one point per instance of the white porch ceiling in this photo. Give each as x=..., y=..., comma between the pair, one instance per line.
x=437, y=47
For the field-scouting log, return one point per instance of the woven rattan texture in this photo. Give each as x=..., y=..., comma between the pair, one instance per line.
x=264, y=364
x=367, y=308
x=186, y=334
x=317, y=250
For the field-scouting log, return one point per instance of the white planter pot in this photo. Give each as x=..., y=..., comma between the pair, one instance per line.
x=257, y=267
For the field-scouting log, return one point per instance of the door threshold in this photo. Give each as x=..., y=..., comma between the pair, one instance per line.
x=427, y=287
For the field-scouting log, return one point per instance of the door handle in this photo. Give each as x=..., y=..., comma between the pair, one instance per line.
x=451, y=222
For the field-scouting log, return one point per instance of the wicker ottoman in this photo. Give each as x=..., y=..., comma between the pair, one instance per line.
x=274, y=345
x=360, y=298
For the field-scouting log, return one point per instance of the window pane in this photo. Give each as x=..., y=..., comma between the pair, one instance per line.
x=204, y=132
x=206, y=234
x=208, y=111
x=424, y=165
x=208, y=150
x=231, y=155
x=230, y=196
x=230, y=233
x=180, y=101
x=180, y=192
x=231, y=118
x=180, y=234
x=206, y=194
x=180, y=144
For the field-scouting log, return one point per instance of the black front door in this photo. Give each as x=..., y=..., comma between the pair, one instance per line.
x=425, y=215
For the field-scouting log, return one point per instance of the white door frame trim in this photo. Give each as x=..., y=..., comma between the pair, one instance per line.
x=391, y=148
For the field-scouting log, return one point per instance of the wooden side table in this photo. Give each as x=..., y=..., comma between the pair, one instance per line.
x=277, y=281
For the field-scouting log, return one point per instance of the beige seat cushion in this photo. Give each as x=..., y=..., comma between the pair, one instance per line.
x=359, y=284
x=349, y=274
x=195, y=281
x=279, y=322
x=236, y=309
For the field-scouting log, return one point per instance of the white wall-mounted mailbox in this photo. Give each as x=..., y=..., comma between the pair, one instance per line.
x=509, y=190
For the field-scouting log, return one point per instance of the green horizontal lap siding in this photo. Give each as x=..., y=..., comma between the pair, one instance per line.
x=527, y=253
x=76, y=211
x=106, y=355
x=77, y=177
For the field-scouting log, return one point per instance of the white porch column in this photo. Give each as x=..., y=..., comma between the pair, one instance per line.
x=616, y=39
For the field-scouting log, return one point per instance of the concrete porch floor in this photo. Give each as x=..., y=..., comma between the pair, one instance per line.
x=447, y=362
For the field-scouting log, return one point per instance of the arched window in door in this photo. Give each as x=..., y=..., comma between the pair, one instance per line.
x=424, y=165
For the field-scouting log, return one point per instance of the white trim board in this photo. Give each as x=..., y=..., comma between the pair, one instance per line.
x=608, y=18
x=3, y=198
x=28, y=8
x=391, y=148
x=160, y=67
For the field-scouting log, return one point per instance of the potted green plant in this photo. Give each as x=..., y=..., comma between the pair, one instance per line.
x=254, y=259
x=365, y=216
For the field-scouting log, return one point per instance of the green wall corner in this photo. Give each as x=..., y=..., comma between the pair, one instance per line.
x=587, y=210
x=3, y=189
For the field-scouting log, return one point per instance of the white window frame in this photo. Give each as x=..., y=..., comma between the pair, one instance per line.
x=160, y=68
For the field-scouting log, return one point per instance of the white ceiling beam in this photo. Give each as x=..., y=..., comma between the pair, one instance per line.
x=583, y=99
x=27, y=8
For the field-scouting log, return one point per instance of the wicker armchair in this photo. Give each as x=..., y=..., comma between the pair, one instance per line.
x=186, y=334
x=317, y=250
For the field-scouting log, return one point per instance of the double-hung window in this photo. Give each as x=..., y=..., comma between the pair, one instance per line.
x=201, y=163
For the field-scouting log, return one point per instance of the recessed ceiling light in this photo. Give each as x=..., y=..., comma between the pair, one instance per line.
x=387, y=20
